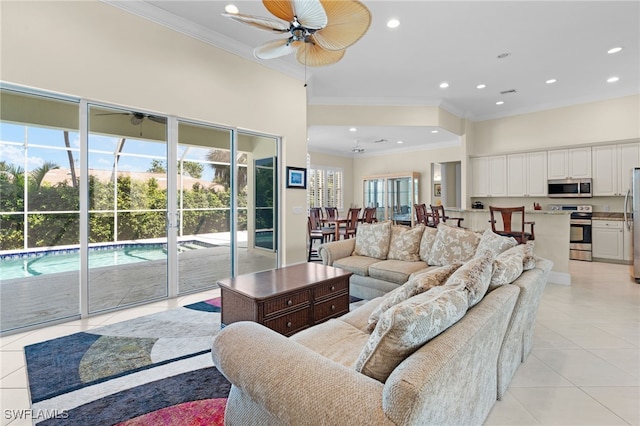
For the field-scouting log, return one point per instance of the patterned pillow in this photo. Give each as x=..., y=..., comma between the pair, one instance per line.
x=495, y=243
x=529, y=261
x=453, y=245
x=428, y=237
x=475, y=276
x=405, y=243
x=507, y=267
x=417, y=284
x=372, y=240
x=405, y=327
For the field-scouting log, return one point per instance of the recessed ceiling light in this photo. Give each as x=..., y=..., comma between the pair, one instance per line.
x=444, y=85
x=613, y=79
x=503, y=55
x=434, y=131
x=353, y=129
x=499, y=102
x=393, y=23
x=614, y=50
x=231, y=8
x=400, y=142
x=481, y=86
x=551, y=81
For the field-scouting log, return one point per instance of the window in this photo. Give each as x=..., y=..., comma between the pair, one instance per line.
x=325, y=187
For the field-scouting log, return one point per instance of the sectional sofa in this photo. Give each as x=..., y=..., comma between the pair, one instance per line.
x=439, y=349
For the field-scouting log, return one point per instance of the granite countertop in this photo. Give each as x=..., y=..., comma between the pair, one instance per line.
x=527, y=211
x=607, y=216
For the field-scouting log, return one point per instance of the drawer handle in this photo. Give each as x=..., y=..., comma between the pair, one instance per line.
x=289, y=324
x=333, y=287
x=289, y=302
x=333, y=307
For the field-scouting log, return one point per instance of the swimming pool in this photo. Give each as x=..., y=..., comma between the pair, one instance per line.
x=31, y=264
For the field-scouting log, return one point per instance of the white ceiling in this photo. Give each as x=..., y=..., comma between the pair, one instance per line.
x=453, y=41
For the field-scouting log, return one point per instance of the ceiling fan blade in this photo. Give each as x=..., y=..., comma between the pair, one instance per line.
x=349, y=20
x=282, y=9
x=313, y=55
x=275, y=49
x=113, y=113
x=266, y=24
x=157, y=119
x=310, y=13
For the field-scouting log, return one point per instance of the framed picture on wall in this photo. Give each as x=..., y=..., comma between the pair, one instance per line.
x=296, y=177
x=437, y=189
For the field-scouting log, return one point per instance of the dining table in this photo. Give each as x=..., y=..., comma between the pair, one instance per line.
x=337, y=221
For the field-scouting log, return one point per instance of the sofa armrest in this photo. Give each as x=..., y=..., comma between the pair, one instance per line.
x=330, y=252
x=293, y=383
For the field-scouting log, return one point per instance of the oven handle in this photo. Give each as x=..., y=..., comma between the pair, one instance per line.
x=580, y=222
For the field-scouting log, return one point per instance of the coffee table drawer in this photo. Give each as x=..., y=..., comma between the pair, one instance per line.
x=330, y=288
x=331, y=308
x=290, y=301
x=289, y=323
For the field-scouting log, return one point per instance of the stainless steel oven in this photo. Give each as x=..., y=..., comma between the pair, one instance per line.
x=580, y=243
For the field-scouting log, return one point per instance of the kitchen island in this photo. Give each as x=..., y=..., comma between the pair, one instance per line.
x=551, y=233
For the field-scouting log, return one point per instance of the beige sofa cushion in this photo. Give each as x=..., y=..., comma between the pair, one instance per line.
x=529, y=261
x=475, y=276
x=405, y=243
x=453, y=245
x=395, y=271
x=418, y=283
x=494, y=243
x=407, y=326
x=428, y=237
x=356, y=264
x=372, y=240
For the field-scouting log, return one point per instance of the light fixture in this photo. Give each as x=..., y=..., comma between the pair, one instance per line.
x=353, y=129
x=481, y=86
x=551, y=81
x=399, y=142
x=393, y=23
x=444, y=85
x=614, y=50
x=434, y=131
x=499, y=102
x=613, y=79
x=231, y=8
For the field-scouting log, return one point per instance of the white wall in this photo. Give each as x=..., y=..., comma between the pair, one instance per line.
x=91, y=50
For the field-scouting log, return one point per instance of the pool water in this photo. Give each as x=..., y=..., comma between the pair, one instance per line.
x=65, y=261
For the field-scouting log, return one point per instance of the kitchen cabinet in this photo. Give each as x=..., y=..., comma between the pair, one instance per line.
x=612, y=166
x=608, y=239
x=527, y=174
x=489, y=176
x=572, y=163
x=393, y=195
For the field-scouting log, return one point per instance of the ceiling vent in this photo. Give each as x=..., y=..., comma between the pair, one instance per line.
x=506, y=92
x=380, y=141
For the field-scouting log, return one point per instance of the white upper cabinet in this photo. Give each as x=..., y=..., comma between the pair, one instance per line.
x=527, y=174
x=489, y=176
x=569, y=163
x=612, y=166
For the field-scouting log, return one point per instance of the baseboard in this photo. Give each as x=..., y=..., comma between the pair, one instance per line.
x=562, y=278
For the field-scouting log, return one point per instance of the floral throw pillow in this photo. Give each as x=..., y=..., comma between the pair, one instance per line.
x=372, y=240
x=494, y=243
x=475, y=276
x=405, y=327
x=529, y=261
x=453, y=245
x=508, y=266
x=428, y=237
x=417, y=284
x=405, y=243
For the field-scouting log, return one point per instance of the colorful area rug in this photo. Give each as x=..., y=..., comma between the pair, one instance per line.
x=151, y=370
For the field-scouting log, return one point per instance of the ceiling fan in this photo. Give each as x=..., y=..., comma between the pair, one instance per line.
x=137, y=117
x=357, y=148
x=319, y=30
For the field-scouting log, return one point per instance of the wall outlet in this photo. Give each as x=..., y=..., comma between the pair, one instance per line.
x=606, y=207
x=298, y=210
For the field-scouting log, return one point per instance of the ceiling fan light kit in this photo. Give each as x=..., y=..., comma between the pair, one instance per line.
x=319, y=31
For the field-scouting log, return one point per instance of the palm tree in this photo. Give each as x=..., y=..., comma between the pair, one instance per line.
x=36, y=176
x=222, y=172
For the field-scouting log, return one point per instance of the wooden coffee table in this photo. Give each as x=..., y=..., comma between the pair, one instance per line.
x=287, y=299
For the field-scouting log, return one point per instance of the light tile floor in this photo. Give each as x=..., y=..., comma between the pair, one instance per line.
x=584, y=368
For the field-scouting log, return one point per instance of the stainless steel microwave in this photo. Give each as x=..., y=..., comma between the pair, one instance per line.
x=570, y=188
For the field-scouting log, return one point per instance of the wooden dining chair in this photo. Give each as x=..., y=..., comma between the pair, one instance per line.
x=349, y=230
x=423, y=216
x=507, y=214
x=313, y=235
x=439, y=215
x=369, y=215
x=316, y=225
x=331, y=212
